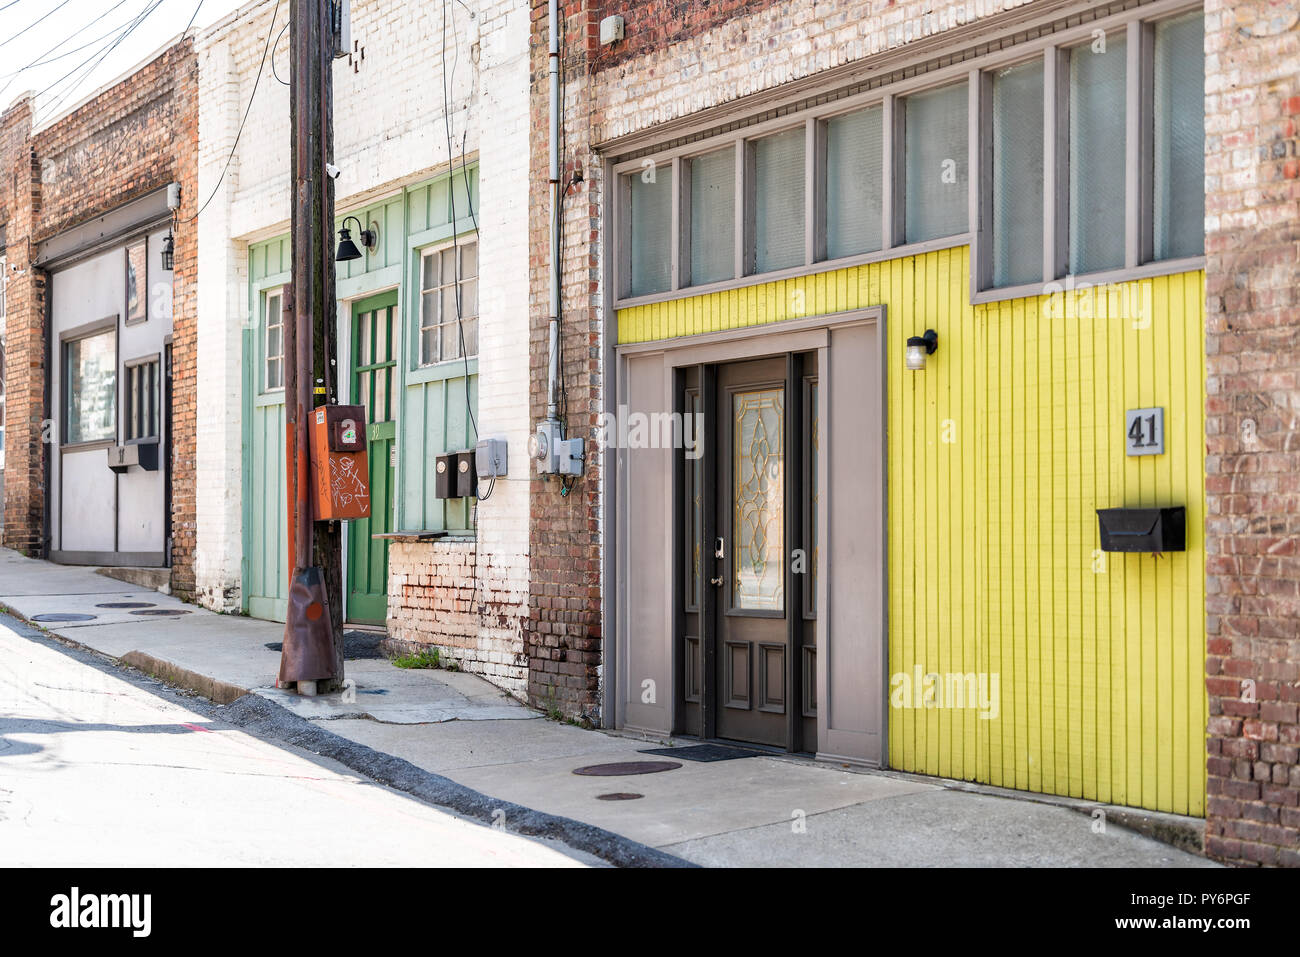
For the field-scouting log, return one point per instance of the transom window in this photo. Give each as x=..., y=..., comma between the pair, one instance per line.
x=449, y=303
x=1088, y=159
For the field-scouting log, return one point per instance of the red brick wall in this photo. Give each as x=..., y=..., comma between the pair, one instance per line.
x=130, y=140
x=650, y=25
x=1253, y=461
x=24, y=472
x=563, y=631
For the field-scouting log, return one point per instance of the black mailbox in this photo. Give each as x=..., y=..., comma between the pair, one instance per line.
x=444, y=476
x=140, y=454
x=1143, y=529
x=466, y=474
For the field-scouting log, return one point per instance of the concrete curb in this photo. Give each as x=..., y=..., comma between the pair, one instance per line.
x=216, y=691
x=265, y=718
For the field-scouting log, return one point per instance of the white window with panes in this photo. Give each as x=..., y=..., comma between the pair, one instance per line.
x=1079, y=153
x=273, y=340
x=449, y=302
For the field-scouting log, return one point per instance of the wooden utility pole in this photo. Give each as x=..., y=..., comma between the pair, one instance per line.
x=310, y=345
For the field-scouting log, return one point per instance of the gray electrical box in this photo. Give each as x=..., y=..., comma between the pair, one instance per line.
x=493, y=458
x=556, y=455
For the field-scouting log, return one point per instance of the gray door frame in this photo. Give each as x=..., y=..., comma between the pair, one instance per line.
x=852, y=623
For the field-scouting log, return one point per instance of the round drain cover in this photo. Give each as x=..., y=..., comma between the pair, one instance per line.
x=161, y=611
x=619, y=796
x=627, y=767
x=126, y=604
x=63, y=616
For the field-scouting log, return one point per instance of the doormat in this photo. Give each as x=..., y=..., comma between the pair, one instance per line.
x=160, y=612
x=619, y=796
x=703, y=752
x=626, y=767
x=125, y=604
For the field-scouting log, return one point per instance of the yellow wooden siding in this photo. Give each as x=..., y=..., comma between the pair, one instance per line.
x=993, y=536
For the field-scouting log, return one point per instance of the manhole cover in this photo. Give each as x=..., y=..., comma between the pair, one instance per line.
x=63, y=616
x=161, y=611
x=125, y=604
x=619, y=796
x=627, y=767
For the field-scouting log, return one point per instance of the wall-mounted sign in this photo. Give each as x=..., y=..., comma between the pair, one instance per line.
x=1144, y=432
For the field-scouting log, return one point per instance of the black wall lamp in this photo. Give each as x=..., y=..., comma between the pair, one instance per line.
x=168, y=252
x=348, y=250
x=918, y=347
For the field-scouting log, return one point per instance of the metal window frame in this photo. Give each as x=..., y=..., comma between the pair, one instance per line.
x=1138, y=21
x=128, y=367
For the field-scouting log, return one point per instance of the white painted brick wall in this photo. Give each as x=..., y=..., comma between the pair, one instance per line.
x=389, y=129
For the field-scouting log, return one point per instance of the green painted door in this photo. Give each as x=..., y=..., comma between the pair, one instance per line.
x=374, y=385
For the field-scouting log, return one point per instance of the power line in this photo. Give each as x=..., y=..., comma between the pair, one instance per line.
x=97, y=60
x=33, y=23
x=262, y=66
x=42, y=61
x=451, y=195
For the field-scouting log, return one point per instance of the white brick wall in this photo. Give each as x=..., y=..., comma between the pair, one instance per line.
x=388, y=130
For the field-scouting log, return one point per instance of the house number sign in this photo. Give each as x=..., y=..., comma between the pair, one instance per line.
x=1144, y=432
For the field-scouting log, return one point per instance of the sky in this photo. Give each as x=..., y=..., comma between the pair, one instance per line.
x=67, y=49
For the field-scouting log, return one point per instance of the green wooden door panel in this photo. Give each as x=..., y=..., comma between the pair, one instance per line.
x=374, y=385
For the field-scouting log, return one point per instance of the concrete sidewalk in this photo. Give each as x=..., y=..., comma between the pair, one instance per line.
x=753, y=811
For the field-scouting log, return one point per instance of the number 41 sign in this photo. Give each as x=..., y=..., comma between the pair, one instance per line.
x=1145, y=431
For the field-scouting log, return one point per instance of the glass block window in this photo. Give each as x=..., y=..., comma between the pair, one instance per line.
x=713, y=216
x=1017, y=200
x=449, y=303
x=1097, y=155
x=1179, y=141
x=649, y=230
x=936, y=163
x=854, y=182
x=779, y=200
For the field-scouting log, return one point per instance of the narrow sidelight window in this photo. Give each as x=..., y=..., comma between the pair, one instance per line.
x=1018, y=174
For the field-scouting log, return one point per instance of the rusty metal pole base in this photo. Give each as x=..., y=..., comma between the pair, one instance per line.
x=307, y=654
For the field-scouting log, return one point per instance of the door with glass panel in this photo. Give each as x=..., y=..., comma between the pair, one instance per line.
x=374, y=385
x=748, y=554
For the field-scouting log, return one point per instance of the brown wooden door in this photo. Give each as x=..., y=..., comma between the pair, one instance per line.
x=746, y=547
x=749, y=553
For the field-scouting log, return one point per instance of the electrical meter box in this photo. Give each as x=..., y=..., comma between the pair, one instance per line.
x=340, y=472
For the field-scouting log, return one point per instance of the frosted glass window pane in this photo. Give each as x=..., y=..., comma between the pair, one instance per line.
x=1018, y=175
x=1179, y=202
x=854, y=171
x=778, y=201
x=650, y=230
x=936, y=164
x=713, y=217
x=1097, y=158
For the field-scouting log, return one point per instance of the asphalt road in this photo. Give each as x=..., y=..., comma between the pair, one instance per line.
x=101, y=767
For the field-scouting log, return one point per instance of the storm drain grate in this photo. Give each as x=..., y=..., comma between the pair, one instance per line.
x=63, y=616
x=703, y=752
x=627, y=767
x=619, y=796
x=125, y=604
x=161, y=611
